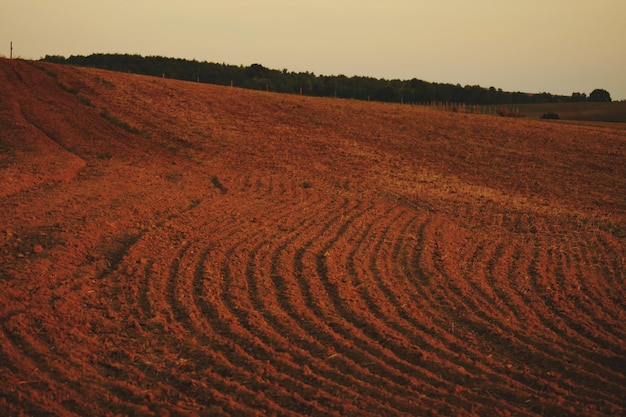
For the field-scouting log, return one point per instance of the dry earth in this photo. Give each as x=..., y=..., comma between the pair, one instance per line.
x=176, y=249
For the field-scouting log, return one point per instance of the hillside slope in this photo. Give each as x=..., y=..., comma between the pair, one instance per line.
x=173, y=248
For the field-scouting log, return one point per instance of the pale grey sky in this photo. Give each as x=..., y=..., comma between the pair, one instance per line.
x=557, y=46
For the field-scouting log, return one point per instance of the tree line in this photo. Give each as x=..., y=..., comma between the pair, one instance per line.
x=258, y=77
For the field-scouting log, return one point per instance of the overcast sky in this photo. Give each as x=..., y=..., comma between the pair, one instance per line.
x=556, y=46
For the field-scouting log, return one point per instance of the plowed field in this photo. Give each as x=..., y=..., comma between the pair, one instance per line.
x=176, y=249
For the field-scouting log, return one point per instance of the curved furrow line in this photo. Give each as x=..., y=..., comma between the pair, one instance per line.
x=494, y=334
x=470, y=287
x=238, y=300
x=226, y=291
x=286, y=358
x=361, y=263
x=590, y=312
x=480, y=275
x=423, y=269
x=165, y=370
x=607, y=316
x=438, y=358
x=53, y=353
x=284, y=334
x=169, y=349
x=163, y=307
x=541, y=338
x=539, y=270
x=394, y=274
x=315, y=317
x=335, y=219
x=519, y=379
x=403, y=334
x=466, y=280
x=475, y=341
x=324, y=359
x=491, y=308
x=535, y=362
x=362, y=334
x=219, y=229
x=497, y=272
x=24, y=377
x=351, y=283
x=319, y=343
x=599, y=272
x=421, y=272
x=466, y=311
x=170, y=317
x=575, y=326
x=421, y=282
x=447, y=358
x=358, y=309
x=13, y=398
x=146, y=310
x=263, y=282
x=515, y=285
x=224, y=323
x=163, y=359
x=222, y=361
x=315, y=260
x=539, y=353
x=616, y=247
x=536, y=340
x=39, y=370
x=604, y=289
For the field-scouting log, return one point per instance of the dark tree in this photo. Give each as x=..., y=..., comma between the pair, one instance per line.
x=57, y=59
x=258, y=77
x=600, y=95
x=386, y=93
x=257, y=70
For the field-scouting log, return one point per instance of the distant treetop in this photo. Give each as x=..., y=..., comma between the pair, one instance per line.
x=600, y=95
x=258, y=77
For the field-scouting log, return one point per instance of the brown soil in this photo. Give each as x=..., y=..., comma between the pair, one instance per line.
x=177, y=249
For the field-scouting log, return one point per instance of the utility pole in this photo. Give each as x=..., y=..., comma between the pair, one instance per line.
x=11, y=54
